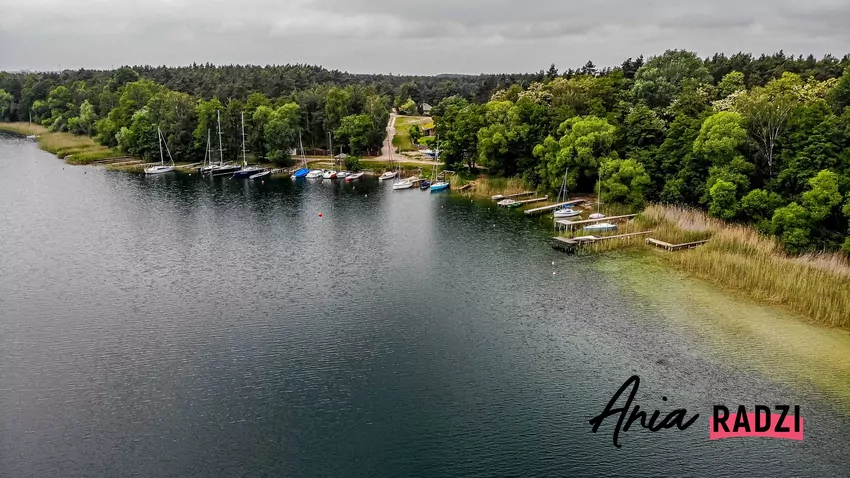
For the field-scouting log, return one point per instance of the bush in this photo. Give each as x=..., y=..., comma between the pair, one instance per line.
x=352, y=163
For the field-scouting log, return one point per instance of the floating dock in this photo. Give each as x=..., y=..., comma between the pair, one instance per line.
x=569, y=225
x=499, y=197
x=541, y=210
x=674, y=247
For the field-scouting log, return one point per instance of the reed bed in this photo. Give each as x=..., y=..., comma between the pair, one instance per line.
x=22, y=129
x=815, y=285
x=487, y=187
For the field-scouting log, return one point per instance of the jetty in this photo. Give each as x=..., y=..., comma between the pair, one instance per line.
x=541, y=210
x=570, y=244
x=674, y=247
x=467, y=186
x=514, y=204
x=499, y=197
x=569, y=225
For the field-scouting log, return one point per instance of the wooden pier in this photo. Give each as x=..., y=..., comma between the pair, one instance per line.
x=466, y=186
x=674, y=247
x=569, y=225
x=499, y=197
x=541, y=210
x=570, y=244
x=524, y=202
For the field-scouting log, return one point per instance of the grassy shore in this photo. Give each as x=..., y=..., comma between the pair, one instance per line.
x=401, y=139
x=73, y=148
x=741, y=259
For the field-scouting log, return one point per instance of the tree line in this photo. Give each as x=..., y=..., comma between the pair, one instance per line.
x=771, y=149
x=753, y=139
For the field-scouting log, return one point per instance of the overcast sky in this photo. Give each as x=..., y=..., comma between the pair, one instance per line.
x=407, y=36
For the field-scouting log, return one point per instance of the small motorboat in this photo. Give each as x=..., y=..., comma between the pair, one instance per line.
x=301, y=173
x=388, y=175
x=329, y=174
x=353, y=176
x=261, y=174
x=403, y=184
x=439, y=186
x=566, y=212
x=600, y=227
x=597, y=215
x=341, y=174
x=32, y=136
x=506, y=202
x=424, y=184
x=315, y=174
x=159, y=169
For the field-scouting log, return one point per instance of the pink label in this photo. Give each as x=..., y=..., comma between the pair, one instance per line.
x=793, y=431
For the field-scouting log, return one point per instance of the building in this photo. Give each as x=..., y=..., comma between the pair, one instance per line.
x=426, y=109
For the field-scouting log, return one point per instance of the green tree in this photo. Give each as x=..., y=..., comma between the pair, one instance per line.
x=732, y=82
x=457, y=127
x=624, y=181
x=824, y=198
x=659, y=81
x=791, y=223
x=352, y=163
x=7, y=106
x=584, y=142
x=355, y=131
x=724, y=202
x=337, y=107
x=759, y=205
x=84, y=122
x=839, y=97
x=281, y=132
x=409, y=107
x=415, y=133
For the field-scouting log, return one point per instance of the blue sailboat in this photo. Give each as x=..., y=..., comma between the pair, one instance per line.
x=304, y=170
x=438, y=184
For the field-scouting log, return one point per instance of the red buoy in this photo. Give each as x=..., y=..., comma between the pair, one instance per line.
x=320, y=214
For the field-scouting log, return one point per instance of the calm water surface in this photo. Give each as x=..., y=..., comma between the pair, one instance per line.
x=176, y=326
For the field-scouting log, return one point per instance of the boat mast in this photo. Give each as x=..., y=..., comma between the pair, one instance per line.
x=599, y=190
x=244, y=160
x=331, y=145
x=220, y=148
x=301, y=144
x=208, y=152
x=159, y=135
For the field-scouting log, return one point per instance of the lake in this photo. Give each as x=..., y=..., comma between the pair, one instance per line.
x=176, y=325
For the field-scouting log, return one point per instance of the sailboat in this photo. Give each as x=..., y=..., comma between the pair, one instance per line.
x=598, y=214
x=392, y=172
x=565, y=211
x=207, y=166
x=303, y=171
x=438, y=184
x=246, y=171
x=222, y=168
x=400, y=183
x=162, y=168
x=330, y=173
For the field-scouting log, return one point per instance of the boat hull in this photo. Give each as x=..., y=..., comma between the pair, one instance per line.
x=561, y=213
x=439, y=187
x=247, y=172
x=301, y=173
x=354, y=177
x=260, y=174
x=159, y=170
x=388, y=175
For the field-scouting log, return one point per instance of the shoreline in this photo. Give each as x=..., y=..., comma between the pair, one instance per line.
x=735, y=258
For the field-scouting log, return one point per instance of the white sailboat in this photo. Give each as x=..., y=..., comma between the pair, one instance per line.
x=330, y=173
x=162, y=168
x=565, y=211
x=598, y=214
x=400, y=183
x=207, y=166
x=222, y=168
x=246, y=171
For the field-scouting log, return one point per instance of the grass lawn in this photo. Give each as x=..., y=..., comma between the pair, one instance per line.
x=73, y=148
x=402, y=130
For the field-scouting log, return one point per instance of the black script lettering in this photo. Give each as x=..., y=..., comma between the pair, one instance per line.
x=720, y=420
x=779, y=428
x=675, y=418
x=741, y=421
x=762, y=425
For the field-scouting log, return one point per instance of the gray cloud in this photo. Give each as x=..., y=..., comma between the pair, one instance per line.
x=436, y=36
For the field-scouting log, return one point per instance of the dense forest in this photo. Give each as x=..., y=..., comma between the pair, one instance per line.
x=762, y=140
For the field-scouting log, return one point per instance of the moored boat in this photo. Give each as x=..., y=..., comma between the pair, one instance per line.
x=315, y=174
x=341, y=174
x=353, y=176
x=329, y=174
x=261, y=174
x=424, y=184
x=387, y=175
x=303, y=171
x=565, y=211
x=162, y=168
x=600, y=227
